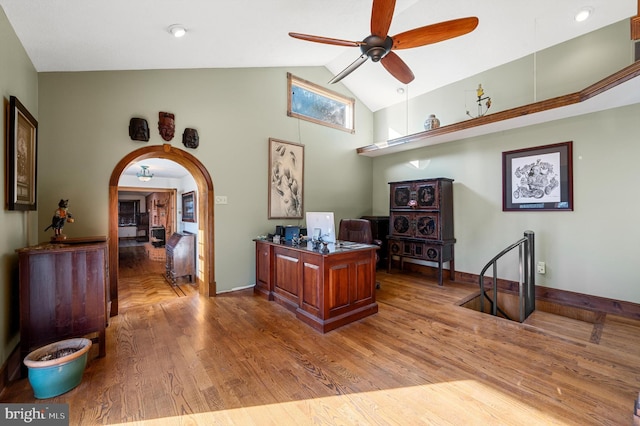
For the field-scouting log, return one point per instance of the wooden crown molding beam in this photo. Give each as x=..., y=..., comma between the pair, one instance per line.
x=602, y=86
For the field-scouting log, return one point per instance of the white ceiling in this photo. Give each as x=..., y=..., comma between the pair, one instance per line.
x=159, y=167
x=85, y=35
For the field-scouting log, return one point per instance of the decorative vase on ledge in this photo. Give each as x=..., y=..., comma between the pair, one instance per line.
x=432, y=122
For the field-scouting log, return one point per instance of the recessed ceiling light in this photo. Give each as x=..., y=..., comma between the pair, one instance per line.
x=177, y=30
x=583, y=14
x=400, y=90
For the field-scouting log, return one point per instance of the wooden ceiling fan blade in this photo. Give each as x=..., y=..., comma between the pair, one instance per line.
x=351, y=68
x=326, y=40
x=434, y=33
x=381, y=15
x=397, y=68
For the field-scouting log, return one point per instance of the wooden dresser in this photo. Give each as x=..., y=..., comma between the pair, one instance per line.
x=421, y=222
x=181, y=258
x=63, y=292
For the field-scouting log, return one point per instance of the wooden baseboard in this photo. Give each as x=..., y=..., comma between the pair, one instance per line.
x=560, y=297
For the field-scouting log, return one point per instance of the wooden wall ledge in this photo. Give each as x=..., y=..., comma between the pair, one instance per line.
x=420, y=139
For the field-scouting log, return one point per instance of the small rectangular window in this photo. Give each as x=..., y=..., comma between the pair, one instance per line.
x=311, y=102
x=128, y=213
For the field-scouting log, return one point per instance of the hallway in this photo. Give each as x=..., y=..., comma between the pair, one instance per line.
x=141, y=280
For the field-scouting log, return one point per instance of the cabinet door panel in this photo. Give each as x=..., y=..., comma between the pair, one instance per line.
x=286, y=276
x=338, y=294
x=426, y=225
x=400, y=195
x=432, y=253
x=400, y=224
x=364, y=290
x=427, y=196
x=263, y=268
x=311, y=288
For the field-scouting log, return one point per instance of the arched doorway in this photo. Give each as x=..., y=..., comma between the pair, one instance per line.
x=206, y=275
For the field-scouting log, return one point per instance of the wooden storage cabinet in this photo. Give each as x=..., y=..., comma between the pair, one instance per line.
x=421, y=222
x=180, y=259
x=63, y=293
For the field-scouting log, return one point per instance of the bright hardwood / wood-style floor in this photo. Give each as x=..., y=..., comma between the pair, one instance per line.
x=238, y=359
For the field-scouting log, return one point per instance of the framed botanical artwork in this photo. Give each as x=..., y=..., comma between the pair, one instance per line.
x=311, y=102
x=286, y=179
x=189, y=207
x=22, y=155
x=538, y=179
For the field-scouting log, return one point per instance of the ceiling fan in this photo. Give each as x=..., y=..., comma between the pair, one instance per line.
x=379, y=45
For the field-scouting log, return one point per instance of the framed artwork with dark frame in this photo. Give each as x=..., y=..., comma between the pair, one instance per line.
x=286, y=179
x=189, y=206
x=21, y=158
x=538, y=179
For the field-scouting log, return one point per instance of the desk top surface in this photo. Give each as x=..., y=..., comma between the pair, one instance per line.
x=331, y=248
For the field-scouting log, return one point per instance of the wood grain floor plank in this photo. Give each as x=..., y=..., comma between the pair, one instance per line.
x=238, y=359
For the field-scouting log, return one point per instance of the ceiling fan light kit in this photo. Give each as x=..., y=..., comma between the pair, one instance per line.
x=379, y=45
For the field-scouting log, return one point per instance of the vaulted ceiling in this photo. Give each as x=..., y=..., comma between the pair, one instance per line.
x=81, y=35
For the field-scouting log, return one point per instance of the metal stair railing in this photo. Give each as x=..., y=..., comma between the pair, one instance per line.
x=526, y=281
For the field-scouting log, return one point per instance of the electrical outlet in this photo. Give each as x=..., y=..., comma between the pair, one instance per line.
x=221, y=199
x=542, y=268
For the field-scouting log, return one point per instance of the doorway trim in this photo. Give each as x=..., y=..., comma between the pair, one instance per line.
x=205, y=238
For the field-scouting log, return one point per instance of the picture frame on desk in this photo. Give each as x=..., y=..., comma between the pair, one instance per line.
x=189, y=207
x=538, y=178
x=286, y=179
x=21, y=158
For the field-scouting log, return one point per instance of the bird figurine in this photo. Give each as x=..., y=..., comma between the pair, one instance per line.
x=60, y=217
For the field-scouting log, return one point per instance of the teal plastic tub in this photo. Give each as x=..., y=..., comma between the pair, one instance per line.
x=53, y=377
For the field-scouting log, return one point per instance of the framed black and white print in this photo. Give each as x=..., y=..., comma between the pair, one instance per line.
x=21, y=158
x=286, y=179
x=538, y=179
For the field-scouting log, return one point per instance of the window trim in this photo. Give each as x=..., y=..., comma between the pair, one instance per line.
x=349, y=103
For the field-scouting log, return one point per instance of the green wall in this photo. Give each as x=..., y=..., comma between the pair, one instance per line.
x=591, y=250
x=85, y=118
x=18, y=78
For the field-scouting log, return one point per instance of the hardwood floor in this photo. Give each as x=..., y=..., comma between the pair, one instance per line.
x=238, y=359
x=142, y=282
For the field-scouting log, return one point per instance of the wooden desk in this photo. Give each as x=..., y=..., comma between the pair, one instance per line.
x=326, y=290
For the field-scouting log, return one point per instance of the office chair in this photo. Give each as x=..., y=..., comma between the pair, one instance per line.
x=359, y=231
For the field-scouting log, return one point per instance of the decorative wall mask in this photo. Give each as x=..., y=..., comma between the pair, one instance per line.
x=166, y=125
x=190, y=138
x=139, y=129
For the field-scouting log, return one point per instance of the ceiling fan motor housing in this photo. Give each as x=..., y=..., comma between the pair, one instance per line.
x=376, y=47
